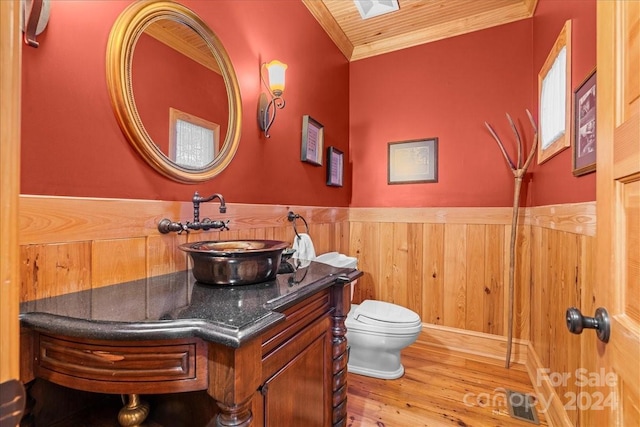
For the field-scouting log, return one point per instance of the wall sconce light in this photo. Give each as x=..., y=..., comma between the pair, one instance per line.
x=34, y=16
x=267, y=108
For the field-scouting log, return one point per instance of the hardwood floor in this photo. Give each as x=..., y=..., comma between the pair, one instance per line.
x=439, y=388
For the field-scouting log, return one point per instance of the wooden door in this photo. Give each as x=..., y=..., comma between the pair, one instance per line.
x=10, y=71
x=617, y=285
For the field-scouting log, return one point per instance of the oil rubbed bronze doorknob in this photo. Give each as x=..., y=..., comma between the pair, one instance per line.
x=576, y=322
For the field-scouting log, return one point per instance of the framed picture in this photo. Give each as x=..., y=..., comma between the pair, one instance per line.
x=584, y=126
x=312, y=141
x=413, y=161
x=335, y=167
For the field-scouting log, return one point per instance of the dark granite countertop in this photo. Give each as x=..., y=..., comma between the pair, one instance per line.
x=177, y=306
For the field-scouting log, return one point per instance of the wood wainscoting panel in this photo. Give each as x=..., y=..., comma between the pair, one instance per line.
x=451, y=265
x=451, y=273
x=163, y=254
x=562, y=267
x=70, y=243
x=56, y=269
x=118, y=261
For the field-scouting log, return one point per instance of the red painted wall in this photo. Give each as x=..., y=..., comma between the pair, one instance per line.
x=448, y=89
x=445, y=89
x=72, y=145
x=553, y=181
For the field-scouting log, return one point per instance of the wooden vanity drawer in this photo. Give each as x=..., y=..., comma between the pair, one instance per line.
x=298, y=317
x=123, y=367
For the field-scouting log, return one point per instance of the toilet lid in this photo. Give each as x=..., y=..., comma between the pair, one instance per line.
x=383, y=313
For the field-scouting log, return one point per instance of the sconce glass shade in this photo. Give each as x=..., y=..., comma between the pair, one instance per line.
x=276, y=71
x=267, y=108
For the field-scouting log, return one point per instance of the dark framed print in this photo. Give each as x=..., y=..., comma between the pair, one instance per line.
x=584, y=126
x=312, y=141
x=413, y=161
x=335, y=167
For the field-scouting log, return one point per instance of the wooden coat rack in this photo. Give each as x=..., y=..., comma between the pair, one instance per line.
x=519, y=170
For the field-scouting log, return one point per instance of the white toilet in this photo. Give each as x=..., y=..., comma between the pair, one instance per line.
x=376, y=330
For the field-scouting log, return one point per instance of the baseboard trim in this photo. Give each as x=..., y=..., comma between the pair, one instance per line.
x=548, y=400
x=489, y=346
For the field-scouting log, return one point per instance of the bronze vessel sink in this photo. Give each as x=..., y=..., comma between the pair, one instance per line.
x=235, y=262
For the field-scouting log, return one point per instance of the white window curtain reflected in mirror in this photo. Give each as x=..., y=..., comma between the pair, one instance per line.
x=193, y=141
x=554, y=98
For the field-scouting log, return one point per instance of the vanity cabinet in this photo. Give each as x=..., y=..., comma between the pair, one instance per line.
x=296, y=369
x=285, y=365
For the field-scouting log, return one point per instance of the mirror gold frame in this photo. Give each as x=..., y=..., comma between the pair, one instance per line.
x=120, y=48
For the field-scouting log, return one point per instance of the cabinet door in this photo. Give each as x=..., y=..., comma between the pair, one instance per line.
x=299, y=394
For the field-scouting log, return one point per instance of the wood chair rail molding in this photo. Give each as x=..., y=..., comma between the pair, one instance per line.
x=51, y=219
x=578, y=218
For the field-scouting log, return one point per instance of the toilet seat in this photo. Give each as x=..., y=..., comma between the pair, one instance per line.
x=382, y=313
x=381, y=317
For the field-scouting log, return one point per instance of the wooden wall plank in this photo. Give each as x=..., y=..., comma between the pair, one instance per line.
x=495, y=265
x=415, y=274
x=365, y=246
x=433, y=268
x=474, y=309
x=163, y=255
x=537, y=292
x=385, y=274
x=398, y=284
x=117, y=261
x=455, y=275
x=51, y=270
x=522, y=309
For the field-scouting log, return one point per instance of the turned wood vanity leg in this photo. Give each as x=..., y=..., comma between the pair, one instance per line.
x=235, y=415
x=134, y=412
x=234, y=376
x=341, y=296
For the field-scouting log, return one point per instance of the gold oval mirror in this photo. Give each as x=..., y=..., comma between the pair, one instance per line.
x=174, y=90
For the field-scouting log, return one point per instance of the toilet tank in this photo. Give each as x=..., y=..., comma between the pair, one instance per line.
x=336, y=259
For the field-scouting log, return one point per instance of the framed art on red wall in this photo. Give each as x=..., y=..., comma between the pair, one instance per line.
x=413, y=161
x=312, y=141
x=584, y=126
x=335, y=167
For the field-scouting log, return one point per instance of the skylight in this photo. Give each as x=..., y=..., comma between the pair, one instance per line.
x=370, y=8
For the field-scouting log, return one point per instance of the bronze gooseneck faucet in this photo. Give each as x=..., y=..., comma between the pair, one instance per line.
x=166, y=225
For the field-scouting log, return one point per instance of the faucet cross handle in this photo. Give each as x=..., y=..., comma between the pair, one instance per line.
x=166, y=225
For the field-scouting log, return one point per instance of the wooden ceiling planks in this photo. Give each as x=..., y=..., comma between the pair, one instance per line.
x=417, y=22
